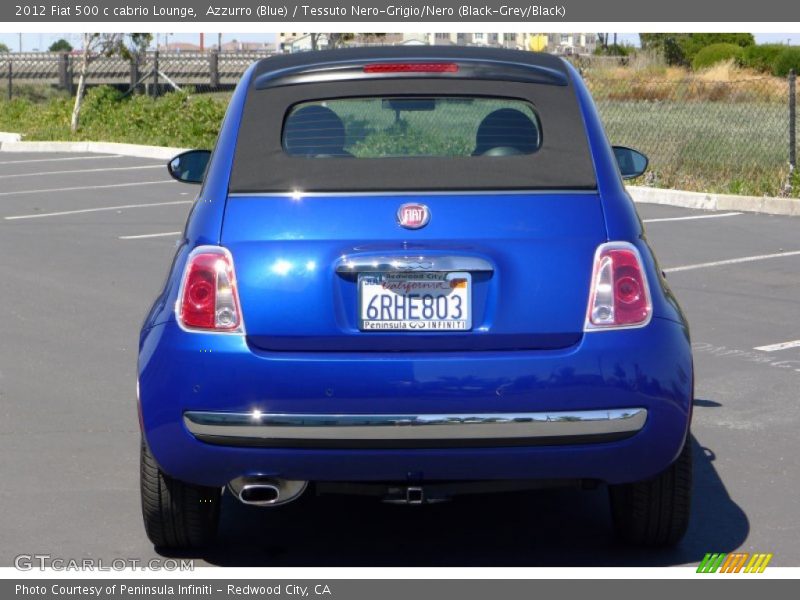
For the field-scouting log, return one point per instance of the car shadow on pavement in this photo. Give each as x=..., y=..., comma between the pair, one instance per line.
x=565, y=527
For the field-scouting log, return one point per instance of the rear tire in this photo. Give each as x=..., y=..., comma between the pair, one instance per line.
x=177, y=515
x=655, y=512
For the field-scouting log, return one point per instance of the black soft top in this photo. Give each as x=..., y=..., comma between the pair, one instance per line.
x=280, y=82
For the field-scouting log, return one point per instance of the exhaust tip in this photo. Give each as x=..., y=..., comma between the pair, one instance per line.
x=266, y=491
x=259, y=494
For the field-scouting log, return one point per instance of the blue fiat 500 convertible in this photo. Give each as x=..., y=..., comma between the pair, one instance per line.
x=413, y=273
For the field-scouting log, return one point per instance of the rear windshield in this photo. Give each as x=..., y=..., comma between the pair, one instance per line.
x=423, y=126
x=427, y=134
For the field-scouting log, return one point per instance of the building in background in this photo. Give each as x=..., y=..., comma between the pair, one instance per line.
x=283, y=41
x=237, y=46
x=562, y=43
x=497, y=40
x=301, y=42
x=179, y=47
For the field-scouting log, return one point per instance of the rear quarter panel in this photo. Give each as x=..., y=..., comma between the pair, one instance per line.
x=204, y=224
x=622, y=221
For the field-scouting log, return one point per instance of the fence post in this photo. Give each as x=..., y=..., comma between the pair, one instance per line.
x=63, y=71
x=10, y=79
x=155, y=74
x=134, y=73
x=213, y=68
x=792, y=122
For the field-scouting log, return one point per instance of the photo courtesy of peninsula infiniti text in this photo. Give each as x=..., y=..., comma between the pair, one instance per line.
x=413, y=273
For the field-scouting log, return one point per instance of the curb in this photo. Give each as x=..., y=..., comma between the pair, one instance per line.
x=9, y=137
x=705, y=201
x=8, y=143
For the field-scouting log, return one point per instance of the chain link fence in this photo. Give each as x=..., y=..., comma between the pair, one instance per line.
x=716, y=136
x=737, y=136
x=734, y=135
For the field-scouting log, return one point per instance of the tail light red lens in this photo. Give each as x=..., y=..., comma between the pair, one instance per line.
x=619, y=295
x=208, y=298
x=411, y=68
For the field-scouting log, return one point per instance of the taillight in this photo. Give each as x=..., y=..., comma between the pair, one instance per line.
x=208, y=298
x=425, y=67
x=619, y=295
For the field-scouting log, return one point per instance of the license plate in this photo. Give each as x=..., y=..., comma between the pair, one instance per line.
x=415, y=301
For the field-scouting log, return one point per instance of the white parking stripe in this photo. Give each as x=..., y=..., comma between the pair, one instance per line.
x=781, y=346
x=149, y=235
x=732, y=261
x=38, y=160
x=101, y=209
x=693, y=217
x=86, y=187
x=82, y=171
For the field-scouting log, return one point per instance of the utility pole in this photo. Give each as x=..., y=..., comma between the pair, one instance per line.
x=20, y=43
x=219, y=42
x=792, y=121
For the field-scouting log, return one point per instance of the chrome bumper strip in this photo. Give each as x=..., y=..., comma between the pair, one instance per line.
x=426, y=430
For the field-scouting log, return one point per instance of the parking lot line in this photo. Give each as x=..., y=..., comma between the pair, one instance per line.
x=149, y=235
x=91, y=210
x=37, y=160
x=86, y=187
x=693, y=217
x=81, y=171
x=781, y=346
x=732, y=261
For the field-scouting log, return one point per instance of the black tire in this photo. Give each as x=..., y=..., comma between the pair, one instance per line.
x=655, y=512
x=177, y=515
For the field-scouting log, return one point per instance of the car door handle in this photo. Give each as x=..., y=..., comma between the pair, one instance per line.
x=382, y=264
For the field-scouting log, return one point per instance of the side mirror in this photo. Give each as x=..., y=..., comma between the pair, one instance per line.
x=632, y=163
x=189, y=166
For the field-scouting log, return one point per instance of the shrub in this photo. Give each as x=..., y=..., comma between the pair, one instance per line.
x=762, y=57
x=60, y=45
x=175, y=119
x=680, y=49
x=715, y=53
x=694, y=43
x=788, y=59
x=614, y=50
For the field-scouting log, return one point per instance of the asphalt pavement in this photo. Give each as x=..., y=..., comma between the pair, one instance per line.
x=85, y=243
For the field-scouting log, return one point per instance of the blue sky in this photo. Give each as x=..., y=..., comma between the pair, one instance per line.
x=33, y=41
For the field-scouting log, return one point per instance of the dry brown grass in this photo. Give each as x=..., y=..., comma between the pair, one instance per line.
x=651, y=82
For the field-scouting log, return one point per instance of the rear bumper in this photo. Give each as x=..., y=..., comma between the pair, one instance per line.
x=459, y=410
x=482, y=430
